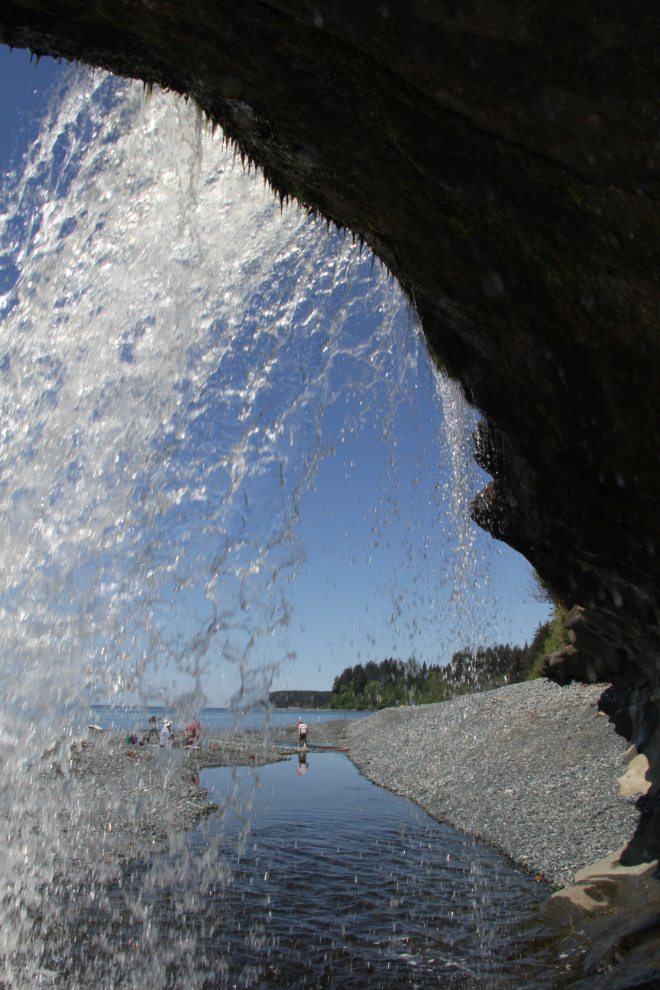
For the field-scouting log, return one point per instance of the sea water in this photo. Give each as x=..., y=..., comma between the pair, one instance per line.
x=223, y=719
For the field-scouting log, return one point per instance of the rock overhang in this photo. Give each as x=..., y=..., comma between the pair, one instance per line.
x=502, y=159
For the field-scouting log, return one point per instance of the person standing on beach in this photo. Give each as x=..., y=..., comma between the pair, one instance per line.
x=166, y=733
x=302, y=734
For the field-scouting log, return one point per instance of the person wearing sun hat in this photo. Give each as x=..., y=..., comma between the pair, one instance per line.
x=166, y=733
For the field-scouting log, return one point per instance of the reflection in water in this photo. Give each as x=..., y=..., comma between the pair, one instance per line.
x=302, y=763
x=336, y=882
x=314, y=880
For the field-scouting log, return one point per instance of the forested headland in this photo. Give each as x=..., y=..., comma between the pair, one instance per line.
x=299, y=699
x=396, y=682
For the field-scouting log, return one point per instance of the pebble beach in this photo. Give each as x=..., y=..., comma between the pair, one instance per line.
x=140, y=795
x=530, y=769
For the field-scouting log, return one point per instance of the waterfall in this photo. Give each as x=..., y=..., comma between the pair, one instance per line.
x=169, y=346
x=167, y=356
x=170, y=343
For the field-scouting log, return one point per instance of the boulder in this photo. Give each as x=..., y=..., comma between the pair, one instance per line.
x=617, y=907
x=567, y=665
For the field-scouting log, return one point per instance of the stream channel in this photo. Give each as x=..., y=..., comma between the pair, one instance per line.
x=322, y=879
x=309, y=875
x=334, y=882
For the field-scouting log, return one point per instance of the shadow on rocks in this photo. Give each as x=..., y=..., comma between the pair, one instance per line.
x=616, y=902
x=614, y=703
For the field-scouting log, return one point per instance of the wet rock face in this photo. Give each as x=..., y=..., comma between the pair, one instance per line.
x=503, y=159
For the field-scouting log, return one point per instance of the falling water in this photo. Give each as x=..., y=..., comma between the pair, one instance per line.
x=170, y=344
x=464, y=480
x=164, y=384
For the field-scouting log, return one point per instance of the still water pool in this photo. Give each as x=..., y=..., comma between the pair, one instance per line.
x=306, y=875
x=338, y=883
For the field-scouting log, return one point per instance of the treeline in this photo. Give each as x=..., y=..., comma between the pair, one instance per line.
x=299, y=699
x=393, y=682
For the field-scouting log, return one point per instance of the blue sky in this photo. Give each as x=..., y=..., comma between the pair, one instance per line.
x=347, y=592
x=24, y=85
x=377, y=577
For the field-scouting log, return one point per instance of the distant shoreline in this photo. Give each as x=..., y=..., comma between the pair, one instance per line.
x=226, y=708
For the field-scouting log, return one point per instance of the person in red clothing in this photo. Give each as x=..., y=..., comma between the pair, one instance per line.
x=302, y=734
x=191, y=734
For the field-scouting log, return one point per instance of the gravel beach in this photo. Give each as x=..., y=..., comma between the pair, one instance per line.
x=530, y=769
x=140, y=795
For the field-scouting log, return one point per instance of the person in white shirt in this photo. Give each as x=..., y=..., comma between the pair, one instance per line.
x=302, y=734
x=166, y=733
